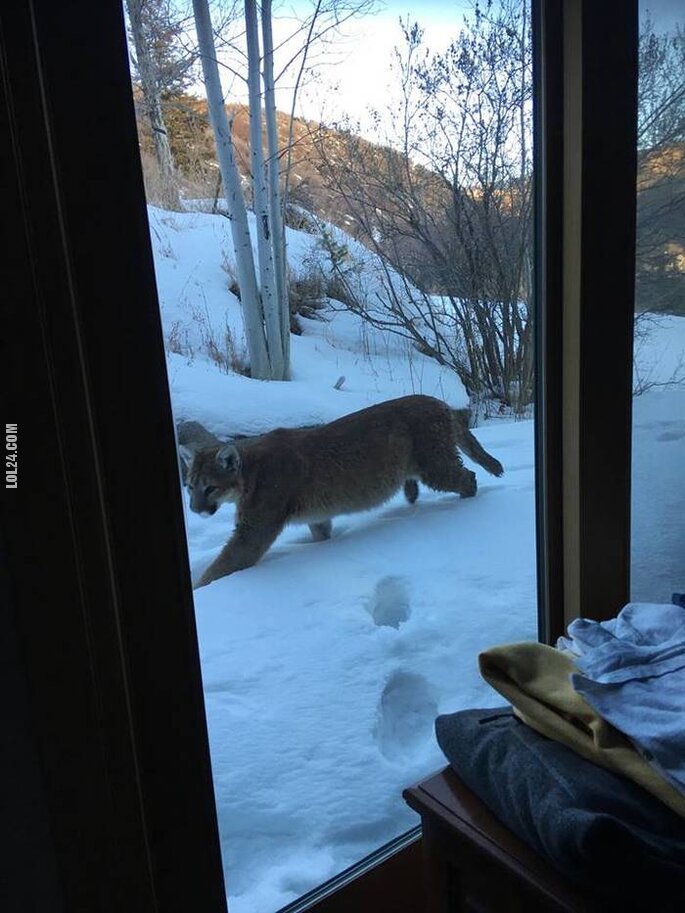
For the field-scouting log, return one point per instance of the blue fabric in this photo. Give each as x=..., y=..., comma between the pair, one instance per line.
x=602, y=831
x=632, y=671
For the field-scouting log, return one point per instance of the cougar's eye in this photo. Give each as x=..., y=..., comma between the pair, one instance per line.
x=209, y=489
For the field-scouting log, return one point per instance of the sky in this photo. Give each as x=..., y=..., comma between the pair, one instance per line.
x=665, y=13
x=364, y=78
x=353, y=72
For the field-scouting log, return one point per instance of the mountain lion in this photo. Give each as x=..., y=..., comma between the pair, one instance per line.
x=309, y=475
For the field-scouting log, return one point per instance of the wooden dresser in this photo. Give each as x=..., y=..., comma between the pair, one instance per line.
x=473, y=864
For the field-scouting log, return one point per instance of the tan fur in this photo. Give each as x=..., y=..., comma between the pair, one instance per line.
x=309, y=475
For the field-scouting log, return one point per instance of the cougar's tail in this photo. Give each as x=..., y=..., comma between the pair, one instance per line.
x=471, y=447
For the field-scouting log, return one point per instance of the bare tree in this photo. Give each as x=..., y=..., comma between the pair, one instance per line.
x=253, y=316
x=152, y=31
x=268, y=322
x=305, y=48
x=660, y=251
x=266, y=239
x=447, y=203
x=318, y=32
x=274, y=184
x=661, y=91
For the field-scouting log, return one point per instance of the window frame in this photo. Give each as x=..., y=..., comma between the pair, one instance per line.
x=106, y=632
x=111, y=662
x=586, y=167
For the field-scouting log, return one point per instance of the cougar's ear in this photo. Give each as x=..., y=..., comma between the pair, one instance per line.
x=227, y=458
x=187, y=454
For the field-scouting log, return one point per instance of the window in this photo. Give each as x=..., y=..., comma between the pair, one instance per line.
x=409, y=272
x=658, y=526
x=106, y=627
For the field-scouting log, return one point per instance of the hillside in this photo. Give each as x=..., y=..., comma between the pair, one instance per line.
x=192, y=144
x=318, y=153
x=661, y=231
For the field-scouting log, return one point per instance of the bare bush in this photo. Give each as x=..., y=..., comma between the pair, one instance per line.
x=307, y=293
x=177, y=341
x=647, y=371
x=219, y=347
x=299, y=219
x=451, y=216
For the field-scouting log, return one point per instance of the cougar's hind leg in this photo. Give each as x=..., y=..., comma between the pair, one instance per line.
x=411, y=490
x=321, y=531
x=451, y=477
x=438, y=461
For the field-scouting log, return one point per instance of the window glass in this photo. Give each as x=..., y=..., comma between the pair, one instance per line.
x=399, y=159
x=658, y=489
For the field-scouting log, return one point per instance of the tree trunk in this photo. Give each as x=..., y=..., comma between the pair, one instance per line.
x=273, y=177
x=260, y=199
x=249, y=294
x=153, y=106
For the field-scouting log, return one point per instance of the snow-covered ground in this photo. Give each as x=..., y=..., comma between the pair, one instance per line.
x=658, y=478
x=325, y=665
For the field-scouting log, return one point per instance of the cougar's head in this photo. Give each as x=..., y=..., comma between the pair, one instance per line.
x=212, y=477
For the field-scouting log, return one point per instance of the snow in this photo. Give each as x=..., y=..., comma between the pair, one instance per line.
x=658, y=476
x=321, y=697
x=325, y=665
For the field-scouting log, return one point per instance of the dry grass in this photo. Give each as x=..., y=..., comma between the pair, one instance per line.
x=177, y=341
x=219, y=347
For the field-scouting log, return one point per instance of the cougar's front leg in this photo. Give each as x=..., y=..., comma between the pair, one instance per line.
x=245, y=547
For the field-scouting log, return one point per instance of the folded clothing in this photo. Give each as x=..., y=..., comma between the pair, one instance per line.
x=603, y=832
x=631, y=669
x=536, y=680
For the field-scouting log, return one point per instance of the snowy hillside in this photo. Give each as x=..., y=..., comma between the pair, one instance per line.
x=325, y=664
x=191, y=253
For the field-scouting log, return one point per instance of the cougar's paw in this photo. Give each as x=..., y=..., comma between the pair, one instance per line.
x=321, y=531
x=203, y=580
x=411, y=490
x=470, y=486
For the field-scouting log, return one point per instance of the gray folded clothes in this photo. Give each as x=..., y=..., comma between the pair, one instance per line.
x=602, y=831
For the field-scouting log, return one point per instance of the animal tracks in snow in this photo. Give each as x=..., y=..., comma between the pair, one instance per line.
x=406, y=711
x=389, y=606
x=408, y=705
x=676, y=433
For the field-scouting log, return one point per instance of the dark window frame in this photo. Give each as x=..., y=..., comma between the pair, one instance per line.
x=586, y=165
x=105, y=636
x=105, y=619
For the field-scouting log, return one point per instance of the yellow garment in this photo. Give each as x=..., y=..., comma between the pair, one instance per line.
x=535, y=679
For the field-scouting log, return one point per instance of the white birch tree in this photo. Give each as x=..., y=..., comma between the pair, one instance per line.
x=253, y=316
x=271, y=302
x=266, y=308
x=274, y=183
